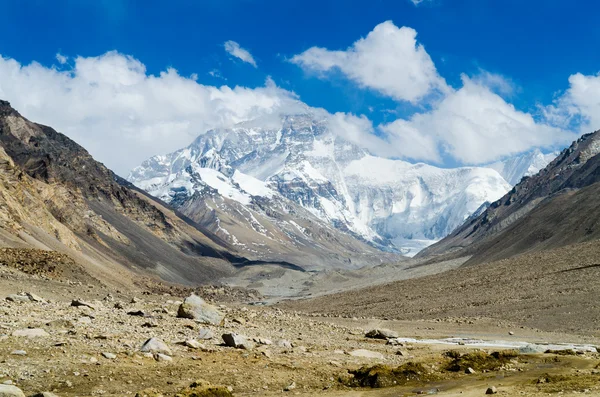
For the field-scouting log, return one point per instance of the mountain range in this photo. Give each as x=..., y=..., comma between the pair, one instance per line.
x=255, y=182
x=556, y=207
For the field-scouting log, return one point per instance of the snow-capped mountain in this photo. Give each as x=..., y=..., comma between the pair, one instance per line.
x=513, y=169
x=301, y=166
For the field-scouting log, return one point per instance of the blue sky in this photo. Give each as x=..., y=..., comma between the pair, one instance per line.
x=532, y=47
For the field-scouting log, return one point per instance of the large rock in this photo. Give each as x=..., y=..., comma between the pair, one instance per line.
x=10, y=391
x=238, y=341
x=196, y=308
x=155, y=345
x=381, y=334
x=18, y=298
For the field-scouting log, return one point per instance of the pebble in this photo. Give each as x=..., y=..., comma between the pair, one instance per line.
x=110, y=356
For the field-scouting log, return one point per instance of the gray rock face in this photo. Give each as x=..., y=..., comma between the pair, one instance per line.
x=381, y=334
x=237, y=341
x=196, y=308
x=155, y=345
x=10, y=391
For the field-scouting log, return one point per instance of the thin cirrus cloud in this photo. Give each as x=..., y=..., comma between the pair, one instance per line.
x=235, y=50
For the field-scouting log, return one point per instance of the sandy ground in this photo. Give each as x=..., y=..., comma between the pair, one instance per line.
x=69, y=359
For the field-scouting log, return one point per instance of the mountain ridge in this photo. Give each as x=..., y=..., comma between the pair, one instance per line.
x=390, y=204
x=555, y=207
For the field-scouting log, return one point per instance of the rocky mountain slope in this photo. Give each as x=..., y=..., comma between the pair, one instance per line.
x=297, y=170
x=555, y=207
x=54, y=195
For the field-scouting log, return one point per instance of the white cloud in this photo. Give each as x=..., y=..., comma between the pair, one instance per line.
x=235, y=50
x=473, y=125
x=579, y=106
x=61, y=58
x=122, y=115
x=389, y=60
x=417, y=2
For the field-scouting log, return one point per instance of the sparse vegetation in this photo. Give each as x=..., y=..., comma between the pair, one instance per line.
x=479, y=360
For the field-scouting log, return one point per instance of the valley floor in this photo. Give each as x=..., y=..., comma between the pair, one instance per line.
x=68, y=358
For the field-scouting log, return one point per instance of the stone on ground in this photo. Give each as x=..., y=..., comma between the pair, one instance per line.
x=10, y=391
x=18, y=298
x=205, y=333
x=155, y=345
x=196, y=308
x=381, y=334
x=491, y=390
x=238, y=341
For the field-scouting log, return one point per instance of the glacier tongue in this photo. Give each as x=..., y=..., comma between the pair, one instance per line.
x=392, y=204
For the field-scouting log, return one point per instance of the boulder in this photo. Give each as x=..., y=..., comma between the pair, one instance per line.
x=381, y=334
x=155, y=345
x=238, y=341
x=491, y=390
x=109, y=356
x=10, y=391
x=18, y=298
x=196, y=308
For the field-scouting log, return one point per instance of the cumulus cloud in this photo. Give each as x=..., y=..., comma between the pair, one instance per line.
x=389, y=60
x=235, y=50
x=579, y=106
x=473, y=125
x=122, y=115
x=61, y=58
